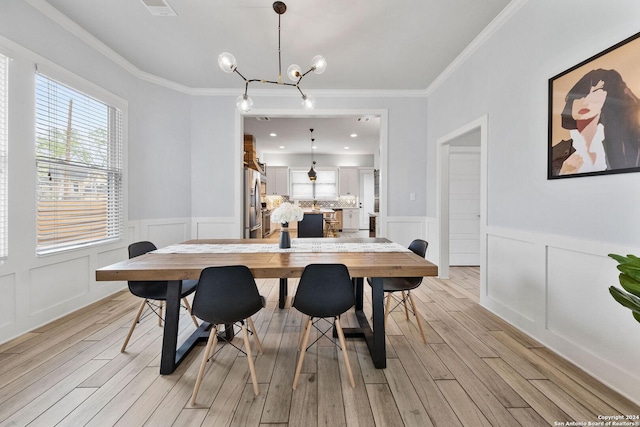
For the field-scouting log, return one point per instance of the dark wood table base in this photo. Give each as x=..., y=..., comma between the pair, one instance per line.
x=172, y=355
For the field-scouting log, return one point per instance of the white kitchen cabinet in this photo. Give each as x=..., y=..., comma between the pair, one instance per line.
x=278, y=180
x=349, y=181
x=350, y=219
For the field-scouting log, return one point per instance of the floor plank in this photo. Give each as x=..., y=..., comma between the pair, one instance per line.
x=475, y=370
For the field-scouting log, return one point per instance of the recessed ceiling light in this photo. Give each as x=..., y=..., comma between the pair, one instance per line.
x=353, y=135
x=313, y=147
x=273, y=134
x=281, y=147
x=346, y=148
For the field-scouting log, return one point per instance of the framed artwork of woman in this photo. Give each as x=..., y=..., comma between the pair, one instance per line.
x=594, y=114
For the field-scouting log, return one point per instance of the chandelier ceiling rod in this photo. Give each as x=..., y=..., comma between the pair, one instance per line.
x=312, y=173
x=228, y=64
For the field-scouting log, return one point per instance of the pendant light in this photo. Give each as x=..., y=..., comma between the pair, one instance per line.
x=228, y=64
x=312, y=173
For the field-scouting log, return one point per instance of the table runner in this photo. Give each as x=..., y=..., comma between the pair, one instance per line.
x=296, y=246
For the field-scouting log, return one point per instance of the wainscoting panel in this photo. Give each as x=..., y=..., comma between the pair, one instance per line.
x=8, y=300
x=216, y=228
x=514, y=278
x=56, y=284
x=403, y=230
x=166, y=233
x=555, y=289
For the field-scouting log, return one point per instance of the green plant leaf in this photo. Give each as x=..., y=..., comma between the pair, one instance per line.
x=630, y=259
x=621, y=259
x=630, y=284
x=630, y=270
x=628, y=300
x=637, y=316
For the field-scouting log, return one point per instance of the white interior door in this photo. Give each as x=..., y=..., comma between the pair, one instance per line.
x=366, y=196
x=464, y=206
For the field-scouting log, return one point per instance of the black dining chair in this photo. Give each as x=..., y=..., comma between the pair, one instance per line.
x=405, y=285
x=225, y=296
x=154, y=293
x=324, y=291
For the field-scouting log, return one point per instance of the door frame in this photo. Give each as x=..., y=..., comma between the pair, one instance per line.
x=382, y=163
x=363, y=222
x=443, y=148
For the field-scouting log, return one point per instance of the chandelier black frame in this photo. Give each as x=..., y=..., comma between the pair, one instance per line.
x=228, y=64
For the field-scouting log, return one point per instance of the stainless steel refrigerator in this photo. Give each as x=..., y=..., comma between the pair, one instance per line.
x=252, y=205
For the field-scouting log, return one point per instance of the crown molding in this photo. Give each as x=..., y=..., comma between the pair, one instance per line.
x=58, y=17
x=476, y=43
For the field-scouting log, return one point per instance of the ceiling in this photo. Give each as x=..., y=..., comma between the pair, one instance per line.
x=399, y=45
x=331, y=134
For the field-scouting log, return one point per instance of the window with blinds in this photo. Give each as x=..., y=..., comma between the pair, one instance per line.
x=4, y=191
x=79, y=167
x=325, y=187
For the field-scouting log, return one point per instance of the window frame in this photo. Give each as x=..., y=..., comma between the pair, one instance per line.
x=116, y=215
x=321, y=172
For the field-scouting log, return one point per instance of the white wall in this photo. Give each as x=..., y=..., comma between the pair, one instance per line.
x=547, y=241
x=181, y=156
x=547, y=269
x=38, y=289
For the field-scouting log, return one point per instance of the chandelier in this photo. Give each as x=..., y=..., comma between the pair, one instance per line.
x=244, y=103
x=312, y=172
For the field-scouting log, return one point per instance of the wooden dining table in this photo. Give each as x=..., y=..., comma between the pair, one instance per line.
x=360, y=256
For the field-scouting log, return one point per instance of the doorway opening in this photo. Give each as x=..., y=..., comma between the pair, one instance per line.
x=454, y=148
x=381, y=145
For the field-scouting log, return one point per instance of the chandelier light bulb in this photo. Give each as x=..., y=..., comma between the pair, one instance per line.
x=227, y=62
x=294, y=72
x=244, y=103
x=318, y=64
x=308, y=102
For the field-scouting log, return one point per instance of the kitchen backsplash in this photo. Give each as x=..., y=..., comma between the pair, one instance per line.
x=342, y=202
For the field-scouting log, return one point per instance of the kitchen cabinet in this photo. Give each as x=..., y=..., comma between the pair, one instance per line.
x=278, y=180
x=350, y=219
x=349, y=181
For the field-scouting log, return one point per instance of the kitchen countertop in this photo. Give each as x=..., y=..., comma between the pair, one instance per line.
x=319, y=211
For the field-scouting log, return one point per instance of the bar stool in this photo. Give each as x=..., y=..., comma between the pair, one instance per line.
x=331, y=225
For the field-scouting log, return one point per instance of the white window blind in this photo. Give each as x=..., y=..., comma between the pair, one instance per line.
x=79, y=167
x=324, y=188
x=4, y=193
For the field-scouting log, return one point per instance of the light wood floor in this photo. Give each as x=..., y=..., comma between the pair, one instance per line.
x=475, y=371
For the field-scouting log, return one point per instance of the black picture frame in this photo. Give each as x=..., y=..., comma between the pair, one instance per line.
x=594, y=114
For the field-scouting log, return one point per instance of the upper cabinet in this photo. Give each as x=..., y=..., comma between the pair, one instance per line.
x=278, y=180
x=349, y=182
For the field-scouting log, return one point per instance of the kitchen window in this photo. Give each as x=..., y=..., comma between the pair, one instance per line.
x=79, y=168
x=326, y=184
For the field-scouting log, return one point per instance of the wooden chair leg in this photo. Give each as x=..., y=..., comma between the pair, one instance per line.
x=303, y=350
x=304, y=331
x=406, y=309
x=214, y=330
x=415, y=311
x=211, y=342
x=186, y=304
x=252, y=369
x=386, y=308
x=255, y=334
x=133, y=325
x=160, y=309
x=343, y=344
